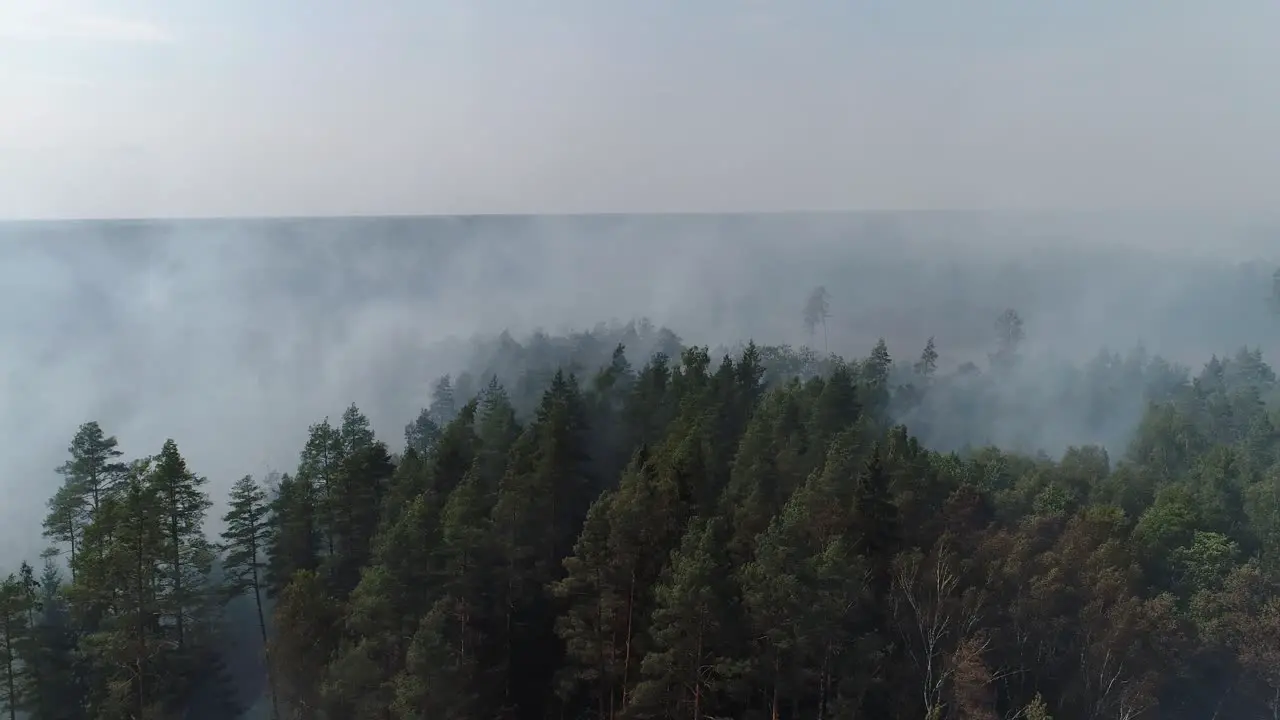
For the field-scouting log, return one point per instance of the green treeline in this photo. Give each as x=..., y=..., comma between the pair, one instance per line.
x=691, y=537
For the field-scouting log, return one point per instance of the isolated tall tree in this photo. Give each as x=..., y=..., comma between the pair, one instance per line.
x=816, y=311
x=1009, y=336
x=245, y=541
x=1273, y=300
x=928, y=362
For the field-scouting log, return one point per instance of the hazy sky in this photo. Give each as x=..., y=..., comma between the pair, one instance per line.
x=179, y=107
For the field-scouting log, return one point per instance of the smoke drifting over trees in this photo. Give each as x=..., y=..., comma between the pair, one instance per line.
x=432, y=468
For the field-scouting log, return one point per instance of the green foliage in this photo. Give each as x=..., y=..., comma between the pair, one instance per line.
x=754, y=534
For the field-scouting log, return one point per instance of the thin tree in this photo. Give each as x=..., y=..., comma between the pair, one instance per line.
x=927, y=365
x=816, y=311
x=1273, y=300
x=1009, y=337
x=245, y=541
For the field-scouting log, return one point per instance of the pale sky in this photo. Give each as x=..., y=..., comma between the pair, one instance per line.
x=298, y=107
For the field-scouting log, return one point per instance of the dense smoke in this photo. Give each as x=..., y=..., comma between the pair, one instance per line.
x=233, y=336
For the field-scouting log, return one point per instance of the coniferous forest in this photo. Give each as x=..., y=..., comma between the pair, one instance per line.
x=620, y=524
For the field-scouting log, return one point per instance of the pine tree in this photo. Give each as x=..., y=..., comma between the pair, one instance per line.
x=466, y=553
x=93, y=468
x=541, y=502
x=837, y=407
x=800, y=587
x=816, y=311
x=686, y=675
x=66, y=519
x=610, y=391
x=245, y=541
x=421, y=434
x=129, y=648
x=1009, y=337
x=455, y=453
x=607, y=593
x=438, y=680
x=496, y=431
x=758, y=485
x=775, y=594
x=319, y=465
x=875, y=382
x=354, y=501
x=590, y=625
x=395, y=590
x=444, y=405
x=89, y=475
x=651, y=405
x=354, y=434
x=875, y=518
x=927, y=365
x=188, y=555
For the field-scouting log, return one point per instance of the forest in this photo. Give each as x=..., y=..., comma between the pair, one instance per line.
x=620, y=524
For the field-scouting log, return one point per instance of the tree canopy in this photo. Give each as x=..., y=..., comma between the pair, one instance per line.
x=763, y=532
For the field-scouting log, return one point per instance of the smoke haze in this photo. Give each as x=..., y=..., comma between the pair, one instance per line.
x=233, y=336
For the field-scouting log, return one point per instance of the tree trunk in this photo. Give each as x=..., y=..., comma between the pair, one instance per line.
x=8, y=652
x=139, y=690
x=177, y=565
x=71, y=534
x=626, y=660
x=266, y=647
x=697, y=676
x=773, y=702
x=824, y=680
x=600, y=650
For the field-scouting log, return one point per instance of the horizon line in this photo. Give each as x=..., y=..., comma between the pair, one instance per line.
x=990, y=212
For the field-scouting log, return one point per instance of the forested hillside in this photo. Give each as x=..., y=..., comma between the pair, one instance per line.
x=618, y=524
